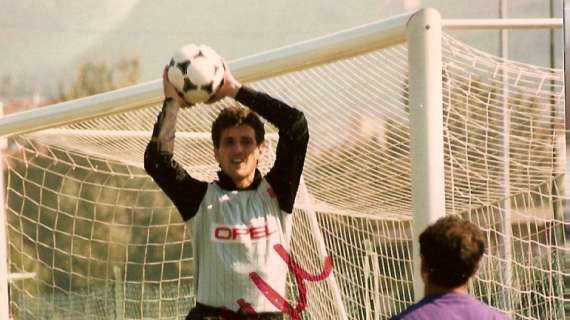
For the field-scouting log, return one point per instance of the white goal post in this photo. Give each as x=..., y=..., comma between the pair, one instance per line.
x=414, y=106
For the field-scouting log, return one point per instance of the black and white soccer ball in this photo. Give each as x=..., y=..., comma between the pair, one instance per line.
x=197, y=72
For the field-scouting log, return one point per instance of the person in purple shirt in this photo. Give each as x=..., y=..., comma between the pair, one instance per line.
x=450, y=249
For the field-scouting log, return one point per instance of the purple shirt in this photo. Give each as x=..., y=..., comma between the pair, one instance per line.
x=452, y=306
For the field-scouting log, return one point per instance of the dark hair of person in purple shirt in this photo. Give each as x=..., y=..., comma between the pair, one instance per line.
x=451, y=249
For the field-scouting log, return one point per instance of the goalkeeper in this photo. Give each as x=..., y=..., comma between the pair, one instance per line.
x=238, y=218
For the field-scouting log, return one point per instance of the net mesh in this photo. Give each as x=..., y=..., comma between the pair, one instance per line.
x=104, y=241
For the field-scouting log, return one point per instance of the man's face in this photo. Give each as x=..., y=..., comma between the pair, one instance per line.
x=238, y=154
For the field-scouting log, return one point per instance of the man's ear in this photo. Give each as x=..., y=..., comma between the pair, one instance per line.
x=475, y=270
x=262, y=147
x=216, y=154
x=424, y=271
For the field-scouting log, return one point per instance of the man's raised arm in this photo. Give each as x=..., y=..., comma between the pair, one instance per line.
x=185, y=192
x=285, y=175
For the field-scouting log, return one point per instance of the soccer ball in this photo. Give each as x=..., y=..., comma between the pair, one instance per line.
x=196, y=72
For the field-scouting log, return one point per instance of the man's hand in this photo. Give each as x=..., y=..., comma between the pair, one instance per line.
x=171, y=92
x=229, y=88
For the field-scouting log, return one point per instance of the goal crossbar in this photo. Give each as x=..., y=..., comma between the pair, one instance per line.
x=325, y=49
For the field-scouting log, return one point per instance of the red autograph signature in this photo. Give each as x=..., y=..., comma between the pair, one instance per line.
x=276, y=299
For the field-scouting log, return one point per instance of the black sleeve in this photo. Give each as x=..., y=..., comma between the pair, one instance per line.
x=292, y=146
x=185, y=192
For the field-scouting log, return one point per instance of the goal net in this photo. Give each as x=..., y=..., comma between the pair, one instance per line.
x=104, y=242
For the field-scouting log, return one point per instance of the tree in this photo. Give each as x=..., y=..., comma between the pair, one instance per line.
x=97, y=77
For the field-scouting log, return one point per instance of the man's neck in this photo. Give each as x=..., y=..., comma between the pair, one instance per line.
x=431, y=289
x=227, y=183
x=244, y=183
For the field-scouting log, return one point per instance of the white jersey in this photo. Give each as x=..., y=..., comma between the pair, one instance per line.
x=234, y=233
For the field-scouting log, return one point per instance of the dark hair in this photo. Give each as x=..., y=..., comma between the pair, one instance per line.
x=236, y=116
x=451, y=249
